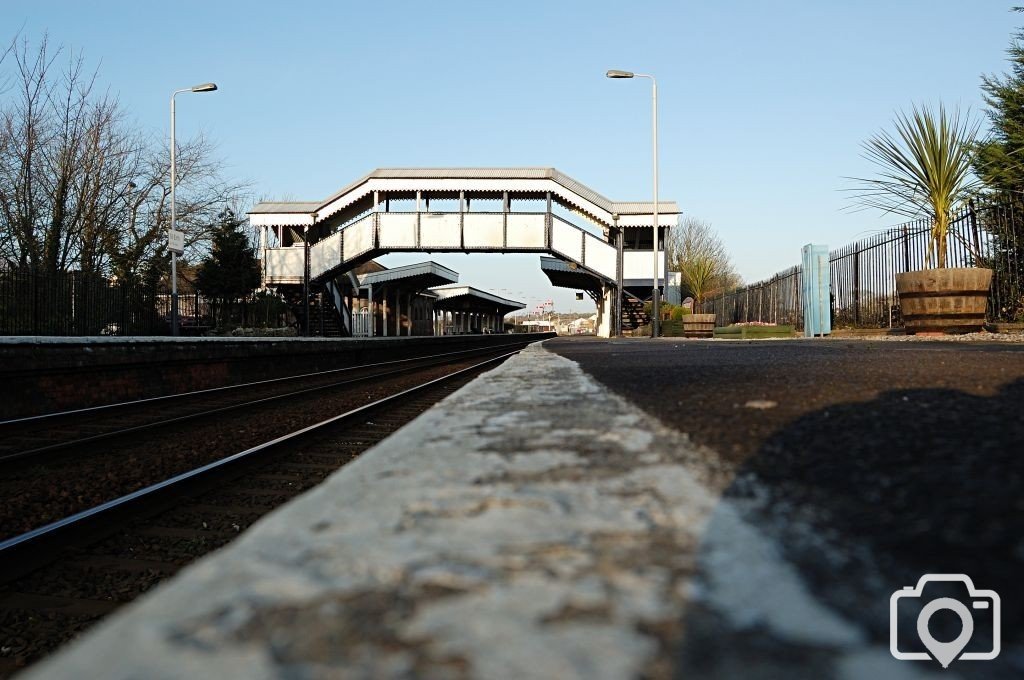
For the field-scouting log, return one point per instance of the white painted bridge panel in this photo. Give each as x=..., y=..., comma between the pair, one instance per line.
x=358, y=237
x=325, y=255
x=600, y=256
x=526, y=231
x=637, y=264
x=283, y=264
x=484, y=231
x=567, y=240
x=397, y=230
x=440, y=230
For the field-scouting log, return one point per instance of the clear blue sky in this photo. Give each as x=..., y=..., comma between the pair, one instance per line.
x=763, y=105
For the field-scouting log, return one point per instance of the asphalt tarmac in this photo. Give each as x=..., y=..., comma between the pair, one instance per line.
x=869, y=463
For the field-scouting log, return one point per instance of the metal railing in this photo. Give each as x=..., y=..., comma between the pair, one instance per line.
x=77, y=304
x=497, y=232
x=73, y=303
x=863, y=273
x=774, y=300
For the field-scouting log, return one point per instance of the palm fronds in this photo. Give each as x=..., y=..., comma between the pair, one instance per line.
x=925, y=170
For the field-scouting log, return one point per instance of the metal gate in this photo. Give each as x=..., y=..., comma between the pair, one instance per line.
x=362, y=323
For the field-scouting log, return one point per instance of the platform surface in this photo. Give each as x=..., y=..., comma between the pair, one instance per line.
x=536, y=524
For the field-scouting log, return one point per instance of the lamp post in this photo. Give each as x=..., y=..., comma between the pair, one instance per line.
x=173, y=239
x=655, y=322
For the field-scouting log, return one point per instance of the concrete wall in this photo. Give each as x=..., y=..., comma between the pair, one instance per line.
x=41, y=375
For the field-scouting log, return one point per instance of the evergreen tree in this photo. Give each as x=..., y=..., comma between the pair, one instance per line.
x=231, y=271
x=1000, y=159
x=1000, y=166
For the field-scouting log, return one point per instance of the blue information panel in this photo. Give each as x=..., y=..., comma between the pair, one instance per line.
x=816, y=290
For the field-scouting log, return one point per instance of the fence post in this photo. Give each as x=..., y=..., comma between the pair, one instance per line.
x=856, y=285
x=123, y=330
x=35, y=302
x=906, y=249
x=974, y=231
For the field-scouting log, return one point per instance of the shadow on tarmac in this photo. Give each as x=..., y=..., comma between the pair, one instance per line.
x=862, y=499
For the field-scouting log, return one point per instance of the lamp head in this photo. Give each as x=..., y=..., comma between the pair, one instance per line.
x=205, y=87
x=619, y=74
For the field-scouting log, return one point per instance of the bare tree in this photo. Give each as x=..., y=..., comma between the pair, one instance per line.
x=202, y=194
x=697, y=253
x=82, y=189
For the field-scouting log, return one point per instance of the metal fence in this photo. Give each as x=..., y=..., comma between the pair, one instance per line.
x=774, y=300
x=77, y=304
x=73, y=303
x=863, y=273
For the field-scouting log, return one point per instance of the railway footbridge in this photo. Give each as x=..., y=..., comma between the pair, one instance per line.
x=594, y=244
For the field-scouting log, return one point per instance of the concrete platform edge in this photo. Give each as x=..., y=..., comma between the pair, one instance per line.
x=530, y=525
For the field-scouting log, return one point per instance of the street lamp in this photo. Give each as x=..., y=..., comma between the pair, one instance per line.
x=174, y=240
x=655, y=323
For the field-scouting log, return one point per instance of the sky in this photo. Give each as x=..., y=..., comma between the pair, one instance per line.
x=763, y=106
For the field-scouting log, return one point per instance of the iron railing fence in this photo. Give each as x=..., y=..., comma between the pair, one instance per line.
x=77, y=304
x=74, y=303
x=1001, y=247
x=774, y=300
x=863, y=273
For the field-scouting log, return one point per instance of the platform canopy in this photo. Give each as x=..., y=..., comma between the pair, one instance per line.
x=564, y=274
x=468, y=298
x=413, y=276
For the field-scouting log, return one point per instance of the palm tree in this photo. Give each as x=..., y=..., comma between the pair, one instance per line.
x=925, y=170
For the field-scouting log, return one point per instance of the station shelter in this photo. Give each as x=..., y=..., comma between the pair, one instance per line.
x=418, y=299
x=465, y=309
x=397, y=301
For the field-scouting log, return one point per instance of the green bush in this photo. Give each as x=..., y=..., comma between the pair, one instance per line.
x=679, y=312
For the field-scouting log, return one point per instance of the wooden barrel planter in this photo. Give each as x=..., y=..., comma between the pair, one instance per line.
x=950, y=300
x=699, y=325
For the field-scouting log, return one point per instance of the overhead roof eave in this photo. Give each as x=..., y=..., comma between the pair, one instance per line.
x=337, y=201
x=429, y=273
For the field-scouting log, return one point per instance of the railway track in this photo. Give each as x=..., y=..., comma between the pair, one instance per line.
x=61, y=578
x=88, y=461
x=53, y=433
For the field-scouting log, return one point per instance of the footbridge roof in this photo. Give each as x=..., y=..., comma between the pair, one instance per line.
x=481, y=180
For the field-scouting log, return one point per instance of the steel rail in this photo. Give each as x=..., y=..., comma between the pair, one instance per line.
x=56, y=415
x=20, y=554
x=432, y=360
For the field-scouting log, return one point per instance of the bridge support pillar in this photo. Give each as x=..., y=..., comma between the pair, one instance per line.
x=605, y=326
